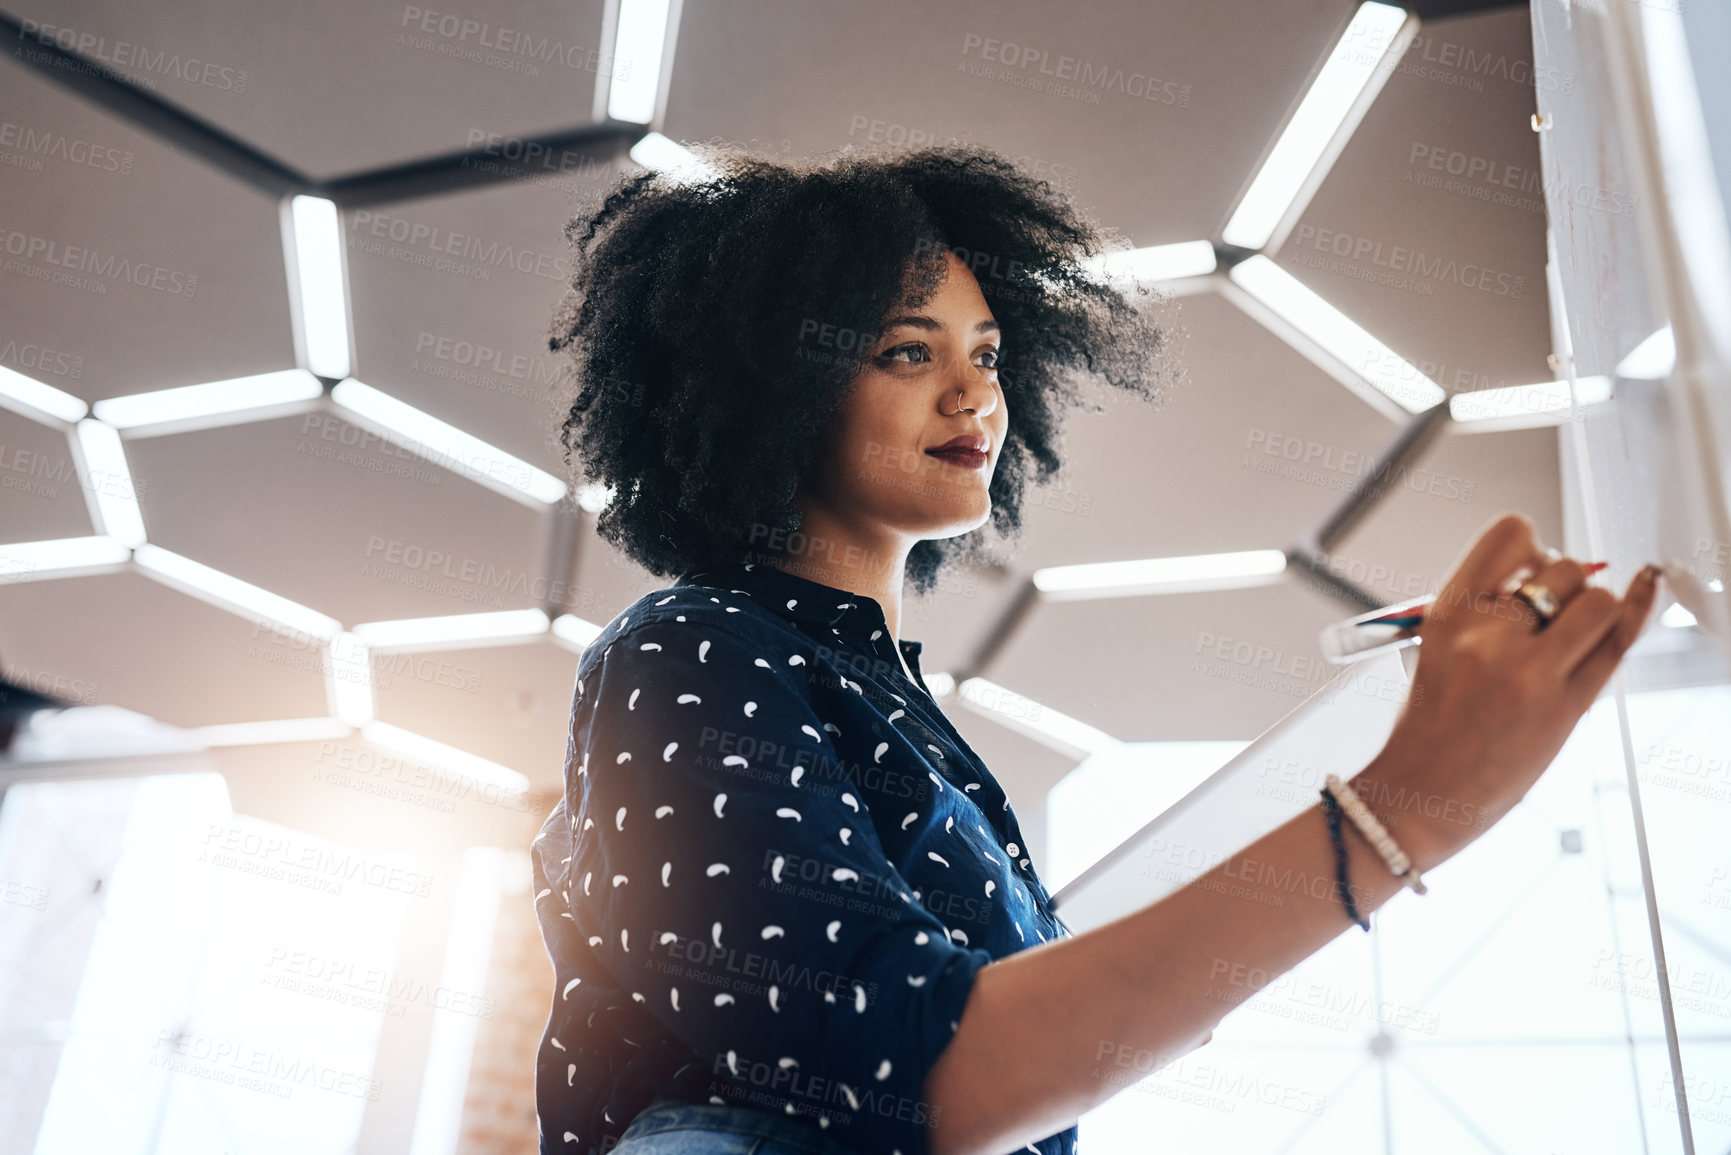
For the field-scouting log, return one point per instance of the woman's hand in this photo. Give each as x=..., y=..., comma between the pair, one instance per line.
x=1493, y=700
x=1495, y=696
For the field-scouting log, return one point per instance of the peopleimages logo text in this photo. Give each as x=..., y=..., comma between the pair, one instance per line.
x=1400, y=259
x=1084, y=73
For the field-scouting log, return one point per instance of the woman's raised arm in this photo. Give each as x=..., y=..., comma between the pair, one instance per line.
x=1051, y=1032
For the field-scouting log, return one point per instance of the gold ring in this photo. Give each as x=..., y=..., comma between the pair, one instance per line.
x=1541, y=599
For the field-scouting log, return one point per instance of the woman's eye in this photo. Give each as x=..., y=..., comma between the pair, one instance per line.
x=989, y=359
x=913, y=353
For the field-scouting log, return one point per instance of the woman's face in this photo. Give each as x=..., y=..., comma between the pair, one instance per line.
x=920, y=432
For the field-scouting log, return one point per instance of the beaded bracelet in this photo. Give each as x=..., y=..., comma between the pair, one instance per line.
x=1344, y=892
x=1398, y=863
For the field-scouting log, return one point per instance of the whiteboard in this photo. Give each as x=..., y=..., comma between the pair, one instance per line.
x=1645, y=473
x=1628, y=168
x=1338, y=730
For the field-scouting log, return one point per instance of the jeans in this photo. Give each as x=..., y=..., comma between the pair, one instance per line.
x=670, y=1128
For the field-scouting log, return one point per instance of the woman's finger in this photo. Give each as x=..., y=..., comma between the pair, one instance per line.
x=1595, y=669
x=1578, y=629
x=1500, y=550
x=1564, y=578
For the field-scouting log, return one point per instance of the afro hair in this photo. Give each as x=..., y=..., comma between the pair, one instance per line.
x=715, y=324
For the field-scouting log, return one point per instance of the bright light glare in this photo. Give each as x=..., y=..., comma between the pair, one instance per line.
x=593, y=498
x=1690, y=181
x=189, y=401
x=1543, y=400
x=1319, y=116
x=319, y=262
x=223, y=1061
x=1338, y=335
x=668, y=156
x=1115, y=793
x=459, y=762
x=445, y=445
x=1161, y=575
x=1485, y=1002
x=450, y=1046
x=1156, y=263
x=28, y=560
x=39, y=398
x=349, y=680
x=452, y=629
x=1043, y=724
x=575, y=630
x=272, y=732
x=231, y=593
x=1652, y=359
x=1676, y=617
x=110, y=479
x=637, y=61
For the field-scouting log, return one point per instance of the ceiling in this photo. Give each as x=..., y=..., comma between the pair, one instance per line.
x=304, y=506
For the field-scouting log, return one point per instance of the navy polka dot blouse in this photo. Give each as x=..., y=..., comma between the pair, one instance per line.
x=774, y=874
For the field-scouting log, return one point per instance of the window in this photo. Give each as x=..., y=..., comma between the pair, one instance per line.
x=1513, y=1008
x=224, y=979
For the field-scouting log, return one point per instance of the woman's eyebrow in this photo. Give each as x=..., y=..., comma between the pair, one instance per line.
x=914, y=320
x=931, y=325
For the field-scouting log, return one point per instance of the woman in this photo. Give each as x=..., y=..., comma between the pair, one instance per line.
x=788, y=907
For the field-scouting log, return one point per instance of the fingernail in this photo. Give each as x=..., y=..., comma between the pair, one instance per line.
x=1594, y=567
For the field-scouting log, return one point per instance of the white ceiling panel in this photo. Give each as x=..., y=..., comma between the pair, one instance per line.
x=508, y=704
x=453, y=297
x=42, y=489
x=1150, y=481
x=140, y=266
x=332, y=87
x=127, y=640
x=1153, y=119
x=1430, y=229
x=327, y=515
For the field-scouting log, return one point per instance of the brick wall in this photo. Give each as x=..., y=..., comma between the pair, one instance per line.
x=499, y=1108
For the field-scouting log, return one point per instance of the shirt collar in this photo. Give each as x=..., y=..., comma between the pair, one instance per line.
x=825, y=610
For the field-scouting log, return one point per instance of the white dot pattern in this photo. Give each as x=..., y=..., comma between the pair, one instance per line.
x=822, y=867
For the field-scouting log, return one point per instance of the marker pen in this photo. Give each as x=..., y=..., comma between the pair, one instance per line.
x=1391, y=627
